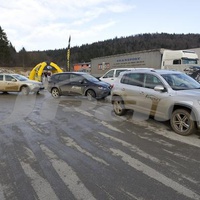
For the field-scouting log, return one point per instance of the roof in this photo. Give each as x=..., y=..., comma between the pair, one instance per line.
x=81, y=73
x=133, y=52
x=159, y=71
x=10, y=74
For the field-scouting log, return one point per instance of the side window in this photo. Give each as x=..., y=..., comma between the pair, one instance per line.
x=119, y=71
x=1, y=77
x=75, y=78
x=63, y=77
x=8, y=78
x=133, y=79
x=150, y=81
x=109, y=74
x=176, y=62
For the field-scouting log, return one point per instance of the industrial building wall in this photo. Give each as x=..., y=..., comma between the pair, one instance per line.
x=149, y=58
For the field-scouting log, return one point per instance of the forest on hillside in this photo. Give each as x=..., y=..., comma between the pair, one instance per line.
x=80, y=54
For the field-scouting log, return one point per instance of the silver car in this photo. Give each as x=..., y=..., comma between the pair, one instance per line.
x=163, y=94
x=19, y=83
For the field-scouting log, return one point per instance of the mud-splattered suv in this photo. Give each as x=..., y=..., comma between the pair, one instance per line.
x=19, y=83
x=163, y=94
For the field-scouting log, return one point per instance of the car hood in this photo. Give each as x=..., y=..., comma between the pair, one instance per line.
x=192, y=92
x=103, y=84
x=33, y=82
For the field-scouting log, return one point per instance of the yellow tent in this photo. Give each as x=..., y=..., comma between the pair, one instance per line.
x=36, y=72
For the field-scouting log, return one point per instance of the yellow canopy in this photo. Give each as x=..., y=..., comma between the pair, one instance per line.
x=36, y=72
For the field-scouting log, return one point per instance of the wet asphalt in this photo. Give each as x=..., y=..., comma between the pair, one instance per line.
x=71, y=148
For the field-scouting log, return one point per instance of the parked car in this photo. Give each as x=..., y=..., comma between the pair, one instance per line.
x=78, y=83
x=19, y=83
x=163, y=94
x=111, y=75
x=194, y=72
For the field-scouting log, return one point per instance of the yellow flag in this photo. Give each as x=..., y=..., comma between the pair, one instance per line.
x=68, y=54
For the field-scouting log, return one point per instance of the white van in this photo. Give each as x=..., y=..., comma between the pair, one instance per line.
x=111, y=75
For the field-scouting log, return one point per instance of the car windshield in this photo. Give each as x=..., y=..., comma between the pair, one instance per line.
x=119, y=71
x=90, y=78
x=181, y=81
x=20, y=77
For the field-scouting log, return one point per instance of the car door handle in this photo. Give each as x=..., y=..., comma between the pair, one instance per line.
x=141, y=92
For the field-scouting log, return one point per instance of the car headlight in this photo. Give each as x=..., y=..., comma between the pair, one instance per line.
x=101, y=88
x=30, y=84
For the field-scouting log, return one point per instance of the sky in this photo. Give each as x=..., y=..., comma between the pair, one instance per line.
x=39, y=25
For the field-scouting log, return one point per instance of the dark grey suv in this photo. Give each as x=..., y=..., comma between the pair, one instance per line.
x=78, y=83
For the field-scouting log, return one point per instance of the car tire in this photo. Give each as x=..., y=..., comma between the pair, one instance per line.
x=25, y=90
x=55, y=93
x=91, y=95
x=118, y=106
x=182, y=122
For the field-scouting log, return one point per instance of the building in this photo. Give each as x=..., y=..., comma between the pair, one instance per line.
x=82, y=67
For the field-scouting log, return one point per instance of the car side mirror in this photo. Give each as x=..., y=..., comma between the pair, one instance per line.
x=13, y=80
x=159, y=88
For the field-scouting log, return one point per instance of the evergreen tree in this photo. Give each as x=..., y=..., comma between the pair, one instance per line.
x=13, y=55
x=23, y=58
x=4, y=49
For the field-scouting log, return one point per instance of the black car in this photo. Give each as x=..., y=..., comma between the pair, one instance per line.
x=78, y=83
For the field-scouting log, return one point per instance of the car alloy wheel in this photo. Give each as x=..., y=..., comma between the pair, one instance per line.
x=182, y=122
x=91, y=95
x=118, y=106
x=55, y=93
x=25, y=90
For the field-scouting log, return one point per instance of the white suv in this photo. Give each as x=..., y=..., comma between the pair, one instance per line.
x=111, y=75
x=163, y=94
